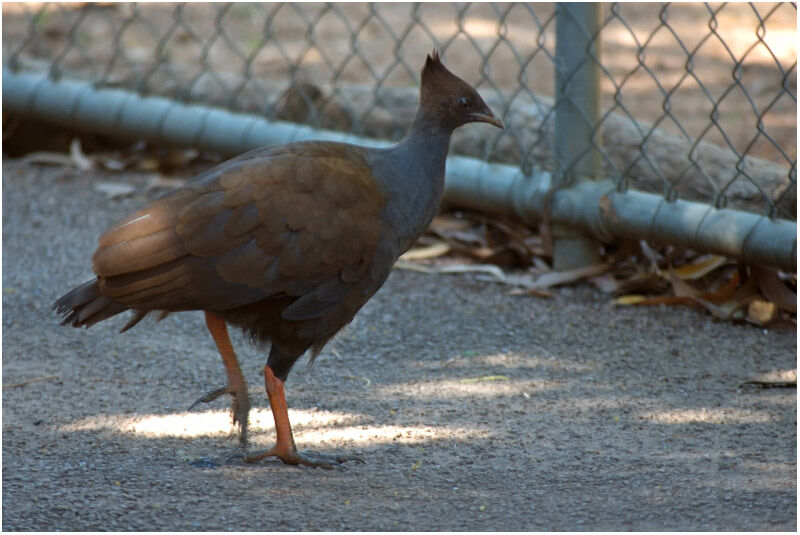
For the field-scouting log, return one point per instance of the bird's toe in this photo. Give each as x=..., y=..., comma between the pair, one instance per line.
x=240, y=407
x=313, y=459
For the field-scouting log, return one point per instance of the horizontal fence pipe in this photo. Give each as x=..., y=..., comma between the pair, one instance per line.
x=691, y=225
x=120, y=112
x=595, y=207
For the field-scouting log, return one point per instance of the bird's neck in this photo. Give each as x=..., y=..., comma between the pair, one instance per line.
x=424, y=150
x=413, y=177
x=427, y=136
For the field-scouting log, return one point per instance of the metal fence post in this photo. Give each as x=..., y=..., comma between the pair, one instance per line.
x=577, y=120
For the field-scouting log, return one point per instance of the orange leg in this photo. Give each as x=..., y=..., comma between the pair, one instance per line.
x=236, y=387
x=285, y=448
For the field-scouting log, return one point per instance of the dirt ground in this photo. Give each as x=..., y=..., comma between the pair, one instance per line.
x=472, y=409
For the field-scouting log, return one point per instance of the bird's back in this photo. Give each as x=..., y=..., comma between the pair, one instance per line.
x=297, y=224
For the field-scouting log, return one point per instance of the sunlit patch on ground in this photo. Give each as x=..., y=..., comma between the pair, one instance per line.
x=477, y=387
x=723, y=415
x=309, y=426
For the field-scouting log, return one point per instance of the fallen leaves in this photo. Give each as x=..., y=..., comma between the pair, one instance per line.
x=140, y=157
x=488, y=239
x=488, y=244
x=636, y=274
x=76, y=158
x=732, y=292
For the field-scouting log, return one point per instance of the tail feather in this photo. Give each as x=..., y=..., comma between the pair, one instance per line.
x=84, y=305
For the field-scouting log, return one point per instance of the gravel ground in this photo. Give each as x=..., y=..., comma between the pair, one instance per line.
x=473, y=409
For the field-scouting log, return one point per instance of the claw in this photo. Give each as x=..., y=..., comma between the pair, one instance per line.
x=211, y=396
x=240, y=408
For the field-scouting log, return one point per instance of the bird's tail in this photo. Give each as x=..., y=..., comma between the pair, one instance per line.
x=84, y=306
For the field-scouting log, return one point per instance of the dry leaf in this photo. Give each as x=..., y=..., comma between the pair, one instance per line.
x=775, y=376
x=628, y=300
x=724, y=292
x=760, y=311
x=700, y=268
x=555, y=278
x=438, y=248
x=494, y=271
x=771, y=384
x=78, y=157
x=412, y=266
x=114, y=190
x=489, y=269
x=47, y=158
x=773, y=288
x=732, y=308
x=681, y=288
x=641, y=282
x=649, y=253
x=651, y=301
x=605, y=283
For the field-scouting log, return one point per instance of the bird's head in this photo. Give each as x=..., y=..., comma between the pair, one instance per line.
x=452, y=100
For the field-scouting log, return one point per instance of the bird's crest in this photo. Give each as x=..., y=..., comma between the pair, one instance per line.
x=437, y=80
x=434, y=70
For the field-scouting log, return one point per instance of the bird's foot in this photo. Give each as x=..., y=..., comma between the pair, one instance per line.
x=294, y=457
x=240, y=408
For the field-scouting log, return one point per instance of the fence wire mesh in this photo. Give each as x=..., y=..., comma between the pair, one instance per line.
x=698, y=100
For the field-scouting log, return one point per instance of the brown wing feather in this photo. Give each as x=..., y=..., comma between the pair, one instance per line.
x=300, y=220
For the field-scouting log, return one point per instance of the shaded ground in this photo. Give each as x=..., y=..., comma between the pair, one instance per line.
x=473, y=409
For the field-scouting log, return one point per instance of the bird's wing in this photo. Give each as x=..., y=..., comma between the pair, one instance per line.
x=299, y=220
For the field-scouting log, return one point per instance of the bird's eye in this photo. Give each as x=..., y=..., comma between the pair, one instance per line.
x=464, y=103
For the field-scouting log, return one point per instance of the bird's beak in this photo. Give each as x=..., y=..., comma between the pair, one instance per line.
x=487, y=118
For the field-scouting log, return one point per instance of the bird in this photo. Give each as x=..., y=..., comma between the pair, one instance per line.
x=285, y=242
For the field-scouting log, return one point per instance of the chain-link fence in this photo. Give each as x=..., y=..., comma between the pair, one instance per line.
x=688, y=102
